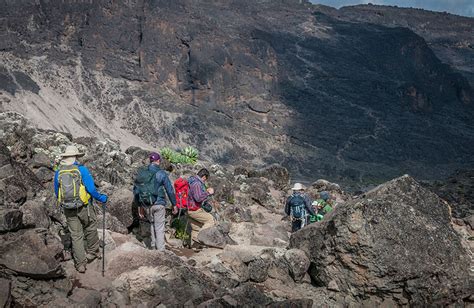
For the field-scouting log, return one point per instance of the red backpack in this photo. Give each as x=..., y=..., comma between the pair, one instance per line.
x=181, y=190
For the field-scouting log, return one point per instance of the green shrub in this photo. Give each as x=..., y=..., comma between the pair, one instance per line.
x=188, y=155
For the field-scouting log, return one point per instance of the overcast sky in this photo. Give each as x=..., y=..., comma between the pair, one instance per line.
x=459, y=7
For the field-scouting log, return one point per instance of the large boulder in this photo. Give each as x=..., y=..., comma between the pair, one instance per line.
x=395, y=243
x=298, y=263
x=32, y=253
x=120, y=205
x=217, y=236
x=277, y=173
x=154, y=277
x=35, y=214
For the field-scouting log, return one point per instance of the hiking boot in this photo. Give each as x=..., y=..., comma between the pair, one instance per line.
x=92, y=256
x=81, y=268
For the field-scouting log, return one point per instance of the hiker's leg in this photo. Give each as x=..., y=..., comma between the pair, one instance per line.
x=149, y=215
x=195, y=225
x=204, y=219
x=295, y=225
x=77, y=236
x=88, y=217
x=159, y=221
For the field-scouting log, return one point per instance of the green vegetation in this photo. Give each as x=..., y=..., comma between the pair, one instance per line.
x=188, y=155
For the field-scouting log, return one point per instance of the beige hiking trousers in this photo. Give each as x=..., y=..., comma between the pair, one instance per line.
x=199, y=219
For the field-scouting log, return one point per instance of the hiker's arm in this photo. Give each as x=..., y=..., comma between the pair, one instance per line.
x=170, y=191
x=199, y=195
x=168, y=187
x=88, y=182
x=308, y=203
x=287, y=206
x=56, y=184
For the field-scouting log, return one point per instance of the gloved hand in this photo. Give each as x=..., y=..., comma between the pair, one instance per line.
x=103, y=198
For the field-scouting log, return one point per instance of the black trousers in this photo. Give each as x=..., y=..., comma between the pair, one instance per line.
x=296, y=224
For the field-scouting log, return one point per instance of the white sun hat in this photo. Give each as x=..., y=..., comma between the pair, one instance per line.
x=71, y=150
x=298, y=186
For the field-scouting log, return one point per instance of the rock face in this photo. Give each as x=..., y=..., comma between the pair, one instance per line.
x=300, y=86
x=32, y=253
x=458, y=190
x=450, y=36
x=396, y=243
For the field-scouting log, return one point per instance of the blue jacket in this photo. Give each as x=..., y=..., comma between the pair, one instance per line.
x=88, y=182
x=162, y=180
x=307, y=203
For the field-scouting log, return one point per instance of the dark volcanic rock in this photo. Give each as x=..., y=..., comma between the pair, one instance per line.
x=32, y=253
x=458, y=190
x=276, y=173
x=326, y=94
x=298, y=263
x=258, y=269
x=396, y=242
x=35, y=214
x=5, y=292
x=10, y=220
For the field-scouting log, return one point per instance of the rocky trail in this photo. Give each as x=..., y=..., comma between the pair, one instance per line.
x=395, y=245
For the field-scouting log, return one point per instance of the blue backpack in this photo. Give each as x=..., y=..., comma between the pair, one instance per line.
x=297, y=206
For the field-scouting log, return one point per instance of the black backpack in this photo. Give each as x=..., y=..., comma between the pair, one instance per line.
x=146, y=186
x=297, y=206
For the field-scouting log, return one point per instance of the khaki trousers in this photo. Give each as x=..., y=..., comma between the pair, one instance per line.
x=82, y=224
x=199, y=219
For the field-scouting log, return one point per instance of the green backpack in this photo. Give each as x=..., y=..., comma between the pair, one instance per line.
x=146, y=186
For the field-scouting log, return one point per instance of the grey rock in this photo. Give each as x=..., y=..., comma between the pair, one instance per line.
x=237, y=214
x=5, y=293
x=35, y=214
x=394, y=238
x=470, y=221
x=86, y=297
x=298, y=263
x=217, y=236
x=258, y=269
x=112, y=223
x=275, y=172
x=41, y=160
x=10, y=220
x=120, y=206
x=44, y=174
x=6, y=171
x=260, y=106
x=293, y=303
x=149, y=276
x=32, y=253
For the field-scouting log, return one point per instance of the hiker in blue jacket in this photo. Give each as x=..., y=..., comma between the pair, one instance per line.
x=74, y=187
x=298, y=207
x=155, y=213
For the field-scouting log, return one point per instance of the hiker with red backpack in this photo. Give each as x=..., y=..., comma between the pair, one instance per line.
x=74, y=188
x=151, y=200
x=197, y=202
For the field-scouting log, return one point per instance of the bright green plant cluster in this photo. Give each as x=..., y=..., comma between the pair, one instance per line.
x=188, y=155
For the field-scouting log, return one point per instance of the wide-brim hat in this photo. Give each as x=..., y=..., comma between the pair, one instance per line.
x=71, y=150
x=297, y=186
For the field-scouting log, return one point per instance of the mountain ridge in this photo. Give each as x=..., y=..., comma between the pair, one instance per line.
x=273, y=82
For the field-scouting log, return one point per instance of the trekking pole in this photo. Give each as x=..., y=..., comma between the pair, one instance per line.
x=103, y=240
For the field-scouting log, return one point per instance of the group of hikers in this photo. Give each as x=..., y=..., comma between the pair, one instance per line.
x=75, y=191
x=302, y=210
